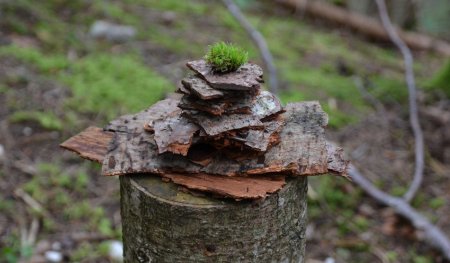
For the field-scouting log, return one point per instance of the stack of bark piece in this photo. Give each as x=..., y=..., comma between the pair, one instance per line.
x=223, y=112
x=223, y=135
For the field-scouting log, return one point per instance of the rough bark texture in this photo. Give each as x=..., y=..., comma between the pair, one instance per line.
x=88, y=144
x=92, y=144
x=215, y=125
x=162, y=224
x=201, y=88
x=247, y=77
x=174, y=134
x=302, y=149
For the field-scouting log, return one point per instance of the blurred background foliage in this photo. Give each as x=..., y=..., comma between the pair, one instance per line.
x=56, y=79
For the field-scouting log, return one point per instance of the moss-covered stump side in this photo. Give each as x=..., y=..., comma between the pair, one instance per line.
x=162, y=224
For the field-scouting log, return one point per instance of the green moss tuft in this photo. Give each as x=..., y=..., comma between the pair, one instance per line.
x=226, y=57
x=441, y=80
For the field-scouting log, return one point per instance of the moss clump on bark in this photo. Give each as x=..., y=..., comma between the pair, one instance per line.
x=225, y=57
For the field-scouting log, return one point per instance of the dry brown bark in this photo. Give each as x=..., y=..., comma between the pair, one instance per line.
x=133, y=123
x=91, y=144
x=215, y=125
x=233, y=187
x=247, y=77
x=201, y=88
x=261, y=140
x=198, y=140
x=264, y=105
x=174, y=133
x=138, y=152
x=211, y=107
x=302, y=149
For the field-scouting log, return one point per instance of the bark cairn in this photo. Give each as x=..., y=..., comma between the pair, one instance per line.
x=216, y=174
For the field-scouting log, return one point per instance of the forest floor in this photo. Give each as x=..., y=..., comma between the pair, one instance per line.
x=55, y=80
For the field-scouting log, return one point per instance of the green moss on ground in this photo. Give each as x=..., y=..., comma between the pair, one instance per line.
x=46, y=120
x=441, y=80
x=108, y=84
x=101, y=83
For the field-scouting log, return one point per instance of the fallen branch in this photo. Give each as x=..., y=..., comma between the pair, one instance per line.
x=259, y=41
x=412, y=98
x=365, y=25
x=431, y=233
x=32, y=203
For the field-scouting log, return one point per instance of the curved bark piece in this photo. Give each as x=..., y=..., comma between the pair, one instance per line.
x=232, y=187
x=95, y=149
x=247, y=77
x=215, y=125
x=214, y=107
x=302, y=149
x=174, y=133
x=133, y=123
x=201, y=88
x=88, y=144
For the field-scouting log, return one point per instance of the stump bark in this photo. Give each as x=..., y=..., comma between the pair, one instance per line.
x=163, y=224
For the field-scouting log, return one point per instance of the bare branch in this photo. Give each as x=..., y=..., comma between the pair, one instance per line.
x=364, y=24
x=259, y=41
x=413, y=112
x=431, y=233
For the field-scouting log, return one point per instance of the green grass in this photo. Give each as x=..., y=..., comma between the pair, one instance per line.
x=45, y=63
x=226, y=57
x=441, y=80
x=46, y=120
x=101, y=83
x=112, y=85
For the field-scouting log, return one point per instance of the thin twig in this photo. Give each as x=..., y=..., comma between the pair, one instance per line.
x=431, y=233
x=359, y=83
x=259, y=41
x=34, y=230
x=412, y=96
x=31, y=202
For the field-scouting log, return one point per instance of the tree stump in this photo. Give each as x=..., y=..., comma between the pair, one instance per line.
x=163, y=224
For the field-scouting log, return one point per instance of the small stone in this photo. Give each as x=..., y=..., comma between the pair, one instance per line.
x=310, y=230
x=2, y=152
x=112, y=32
x=56, y=245
x=53, y=256
x=168, y=17
x=116, y=250
x=27, y=131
